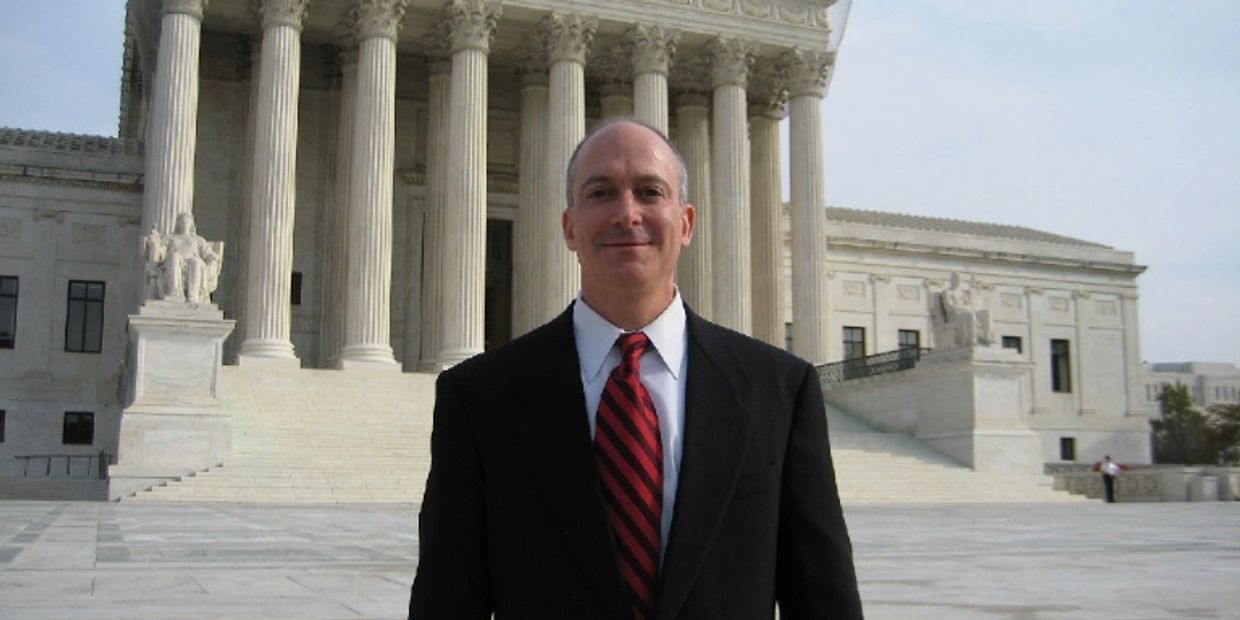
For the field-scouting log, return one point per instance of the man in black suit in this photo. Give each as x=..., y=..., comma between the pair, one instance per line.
x=532, y=511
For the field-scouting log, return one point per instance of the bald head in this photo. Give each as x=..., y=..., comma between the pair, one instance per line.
x=682, y=185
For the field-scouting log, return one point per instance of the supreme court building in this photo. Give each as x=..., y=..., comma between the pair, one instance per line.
x=387, y=177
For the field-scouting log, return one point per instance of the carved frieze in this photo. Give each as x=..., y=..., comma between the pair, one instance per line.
x=1010, y=300
x=10, y=228
x=908, y=292
x=812, y=13
x=380, y=18
x=1105, y=307
x=853, y=288
x=88, y=234
x=1059, y=304
x=731, y=58
x=652, y=47
x=569, y=36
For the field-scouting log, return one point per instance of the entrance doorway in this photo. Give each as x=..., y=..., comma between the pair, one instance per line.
x=497, y=307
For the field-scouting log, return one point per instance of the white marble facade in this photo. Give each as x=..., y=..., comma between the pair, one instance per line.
x=385, y=173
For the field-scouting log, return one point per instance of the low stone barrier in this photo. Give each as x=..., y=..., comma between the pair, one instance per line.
x=1152, y=483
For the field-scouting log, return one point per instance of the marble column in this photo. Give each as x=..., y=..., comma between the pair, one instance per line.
x=807, y=84
x=268, y=312
x=440, y=64
x=1134, y=397
x=693, y=274
x=1038, y=349
x=1081, y=355
x=367, y=323
x=532, y=192
x=731, y=270
x=766, y=109
x=652, y=51
x=172, y=130
x=335, y=255
x=568, y=37
x=240, y=251
x=472, y=24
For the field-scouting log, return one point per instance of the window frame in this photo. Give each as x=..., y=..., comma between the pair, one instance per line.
x=1067, y=449
x=851, y=344
x=11, y=341
x=900, y=339
x=82, y=418
x=1061, y=366
x=87, y=304
x=1007, y=340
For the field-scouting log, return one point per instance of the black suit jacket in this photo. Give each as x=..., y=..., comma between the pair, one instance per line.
x=513, y=521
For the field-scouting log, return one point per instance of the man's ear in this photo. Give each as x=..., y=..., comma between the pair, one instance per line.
x=566, y=223
x=688, y=220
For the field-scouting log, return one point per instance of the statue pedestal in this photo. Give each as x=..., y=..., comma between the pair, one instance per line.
x=972, y=406
x=174, y=424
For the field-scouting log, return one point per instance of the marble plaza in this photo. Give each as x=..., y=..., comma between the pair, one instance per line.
x=1064, y=561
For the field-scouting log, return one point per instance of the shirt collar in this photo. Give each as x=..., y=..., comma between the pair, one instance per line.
x=595, y=336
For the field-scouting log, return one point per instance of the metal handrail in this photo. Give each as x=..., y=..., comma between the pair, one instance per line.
x=871, y=365
x=98, y=462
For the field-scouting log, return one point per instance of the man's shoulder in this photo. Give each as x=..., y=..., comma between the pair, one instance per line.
x=746, y=349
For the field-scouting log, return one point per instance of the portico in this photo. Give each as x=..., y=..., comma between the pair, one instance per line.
x=386, y=133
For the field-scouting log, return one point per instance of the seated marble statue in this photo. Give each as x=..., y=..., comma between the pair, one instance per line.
x=960, y=315
x=182, y=266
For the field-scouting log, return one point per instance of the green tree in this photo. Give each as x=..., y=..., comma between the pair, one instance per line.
x=1182, y=434
x=1224, y=423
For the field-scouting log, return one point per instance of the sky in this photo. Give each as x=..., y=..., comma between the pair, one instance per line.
x=1113, y=121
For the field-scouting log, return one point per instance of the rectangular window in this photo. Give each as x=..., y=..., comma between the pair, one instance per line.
x=1067, y=448
x=8, y=311
x=84, y=321
x=79, y=428
x=909, y=339
x=854, y=342
x=295, y=289
x=1014, y=343
x=1061, y=366
x=3, y=415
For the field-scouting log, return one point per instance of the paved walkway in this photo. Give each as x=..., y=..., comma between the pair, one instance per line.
x=86, y=561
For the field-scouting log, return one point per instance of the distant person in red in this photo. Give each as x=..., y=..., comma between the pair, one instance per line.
x=1110, y=469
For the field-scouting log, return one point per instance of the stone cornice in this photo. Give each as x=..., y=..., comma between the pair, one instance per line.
x=288, y=13
x=471, y=24
x=652, y=48
x=807, y=72
x=379, y=18
x=193, y=8
x=904, y=247
x=569, y=36
x=69, y=142
x=70, y=178
x=730, y=59
x=812, y=13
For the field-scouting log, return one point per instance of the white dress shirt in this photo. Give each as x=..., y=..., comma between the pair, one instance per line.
x=662, y=373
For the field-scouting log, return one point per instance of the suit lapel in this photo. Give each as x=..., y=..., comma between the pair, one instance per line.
x=716, y=433
x=555, y=439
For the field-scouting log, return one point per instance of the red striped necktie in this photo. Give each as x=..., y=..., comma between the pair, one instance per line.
x=629, y=452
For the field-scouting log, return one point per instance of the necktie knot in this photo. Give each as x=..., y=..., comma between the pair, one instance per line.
x=632, y=347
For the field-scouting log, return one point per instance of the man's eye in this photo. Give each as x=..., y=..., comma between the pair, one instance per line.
x=597, y=192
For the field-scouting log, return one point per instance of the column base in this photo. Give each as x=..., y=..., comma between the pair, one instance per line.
x=267, y=347
x=367, y=356
x=449, y=359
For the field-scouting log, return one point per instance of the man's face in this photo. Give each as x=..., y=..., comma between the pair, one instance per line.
x=627, y=224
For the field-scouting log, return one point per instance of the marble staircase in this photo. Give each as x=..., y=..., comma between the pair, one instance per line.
x=325, y=436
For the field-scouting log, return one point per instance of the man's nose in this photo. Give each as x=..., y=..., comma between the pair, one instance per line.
x=628, y=210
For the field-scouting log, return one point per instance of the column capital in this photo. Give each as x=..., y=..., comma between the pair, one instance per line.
x=437, y=45
x=652, y=48
x=193, y=8
x=766, y=91
x=614, y=71
x=807, y=72
x=471, y=24
x=378, y=18
x=532, y=62
x=569, y=36
x=690, y=81
x=730, y=60
x=282, y=13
